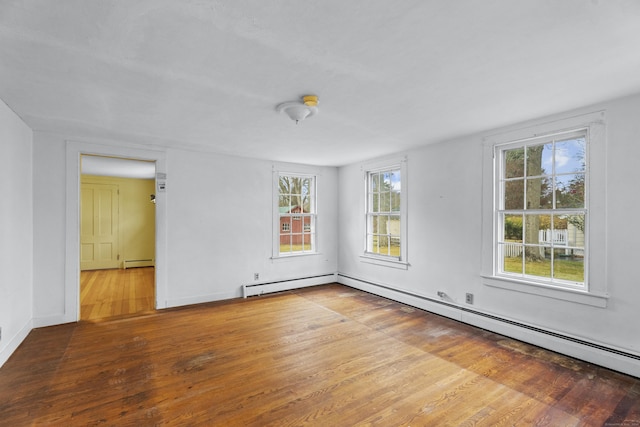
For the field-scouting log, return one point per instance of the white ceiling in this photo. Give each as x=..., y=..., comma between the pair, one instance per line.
x=391, y=75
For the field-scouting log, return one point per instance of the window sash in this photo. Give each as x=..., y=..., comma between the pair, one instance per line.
x=383, y=235
x=296, y=230
x=520, y=252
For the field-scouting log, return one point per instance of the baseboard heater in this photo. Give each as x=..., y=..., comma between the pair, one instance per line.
x=286, y=285
x=130, y=263
x=506, y=322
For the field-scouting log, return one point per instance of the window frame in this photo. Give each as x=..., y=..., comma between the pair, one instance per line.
x=501, y=211
x=594, y=291
x=278, y=228
x=396, y=164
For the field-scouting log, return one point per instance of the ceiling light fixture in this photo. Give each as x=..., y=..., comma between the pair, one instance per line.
x=300, y=110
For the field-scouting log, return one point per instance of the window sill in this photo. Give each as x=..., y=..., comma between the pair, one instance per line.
x=386, y=262
x=284, y=258
x=566, y=294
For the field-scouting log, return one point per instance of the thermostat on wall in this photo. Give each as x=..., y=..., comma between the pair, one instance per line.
x=161, y=180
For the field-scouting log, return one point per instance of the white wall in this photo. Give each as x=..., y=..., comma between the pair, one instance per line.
x=445, y=186
x=16, y=231
x=218, y=226
x=220, y=233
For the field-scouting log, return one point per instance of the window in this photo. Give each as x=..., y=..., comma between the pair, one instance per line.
x=544, y=209
x=296, y=213
x=541, y=209
x=383, y=213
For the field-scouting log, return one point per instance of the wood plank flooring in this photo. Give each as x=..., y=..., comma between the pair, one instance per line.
x=325, y=356
x=108, y=293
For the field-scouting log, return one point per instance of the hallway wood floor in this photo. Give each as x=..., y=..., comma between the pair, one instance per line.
x=109, y=293
x=326, y=356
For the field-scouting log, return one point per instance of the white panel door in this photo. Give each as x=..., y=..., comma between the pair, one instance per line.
x=99, y=217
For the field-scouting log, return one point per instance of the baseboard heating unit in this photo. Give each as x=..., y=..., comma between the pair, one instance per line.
x=131, y=263
x=286, y=285
x=599, y=354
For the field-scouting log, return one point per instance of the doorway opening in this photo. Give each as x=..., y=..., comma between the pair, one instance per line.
x=117, y=237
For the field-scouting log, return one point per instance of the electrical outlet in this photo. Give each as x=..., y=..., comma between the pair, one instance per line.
x=469, y=298
x=256, y=276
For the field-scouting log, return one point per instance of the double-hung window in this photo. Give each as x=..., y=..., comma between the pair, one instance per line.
x=542, y=209
x=296, y=214
x=385, y=208
x=384, y=190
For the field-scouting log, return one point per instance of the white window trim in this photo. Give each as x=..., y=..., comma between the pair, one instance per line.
x=595, y=292
x=375, y=166
x=299, y=171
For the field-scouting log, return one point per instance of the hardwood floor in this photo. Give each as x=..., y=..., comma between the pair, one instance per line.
x=108, y=293
x=327, y=356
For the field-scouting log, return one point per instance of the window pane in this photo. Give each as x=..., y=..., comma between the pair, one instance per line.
x=394, y=225
x=570, y=155
x=383, y=222
x=512, y=228
x=306, y=195
x=514, y=163
x=539, y=157
x=394, y=246
x=514, y=194
x=395, y=180
x=387, y=181
x=385, y=201
x=306, y=239
x=375, y=202
x=570, y=191
x=395, y=201
x=575, y=231
x=567, y=266
x=285, y=243
x=375, y=182
x=539, y=193
x=537, y=262
x=512, y=258
x=284, y=203
x=383, y=245
x=536, y=227
x=372, y=243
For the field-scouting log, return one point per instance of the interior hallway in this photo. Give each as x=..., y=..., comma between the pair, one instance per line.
x=110, y=293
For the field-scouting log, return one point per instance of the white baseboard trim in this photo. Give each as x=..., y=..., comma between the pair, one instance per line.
x=286, y=285
x=617, y=359
x=14, y=342
x=42, y=322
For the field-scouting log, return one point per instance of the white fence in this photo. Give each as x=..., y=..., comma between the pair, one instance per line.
x=545, y=237
x=557, y=237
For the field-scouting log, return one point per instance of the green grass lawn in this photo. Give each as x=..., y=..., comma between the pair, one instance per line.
x=564, y=269
x=286, y=248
